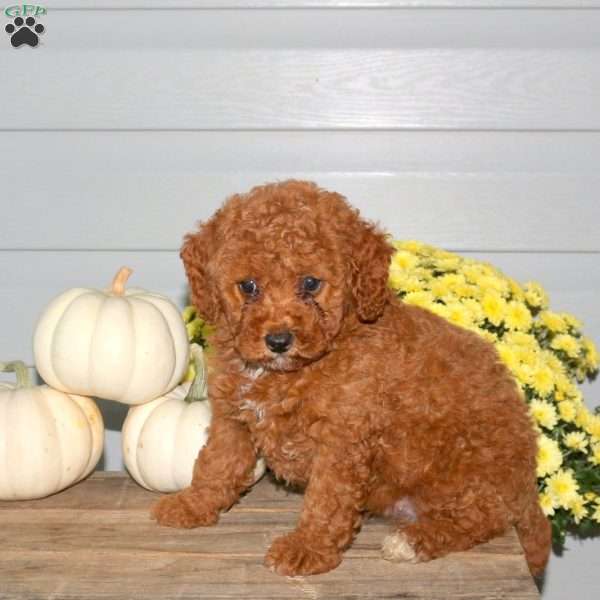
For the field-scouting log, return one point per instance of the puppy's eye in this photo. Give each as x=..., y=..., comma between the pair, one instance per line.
x=249, y=287
x=310, y=285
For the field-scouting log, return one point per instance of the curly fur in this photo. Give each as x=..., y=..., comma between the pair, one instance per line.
x=378, y=407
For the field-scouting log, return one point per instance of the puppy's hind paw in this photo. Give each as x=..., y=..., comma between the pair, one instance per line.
x=397, y=548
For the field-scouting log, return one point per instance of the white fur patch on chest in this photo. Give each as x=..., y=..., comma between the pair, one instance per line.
x=259, y=411
x=247, y=403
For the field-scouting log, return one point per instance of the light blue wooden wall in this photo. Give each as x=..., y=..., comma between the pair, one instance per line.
x=472, y=125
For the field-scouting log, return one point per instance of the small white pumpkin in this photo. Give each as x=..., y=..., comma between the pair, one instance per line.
x=125, y=345
x=162, y=438
x=48, y=440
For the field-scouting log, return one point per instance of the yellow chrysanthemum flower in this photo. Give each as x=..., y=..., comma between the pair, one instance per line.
x=576, y=440
x=567, y=343
x=549, y=456
x=563, y=487
x=569, y=389
x=404, y=260
x=552, y=321
x=423, y=275
x=548, y=503
x=563, y=386
x=583, y=417
x=592, y=426
x=554, y=363
x=458, y=314
x=474, y=308
x=471, y=293
x=493, y=283
x=578, y=508
x=543, y=413
x=567, y=411
x=519, y=338
x=596, y=514
x=529, y=356
x=404, y=280
x=451, y=284
x=535, y=295
x=471, y=271
x=494, y=307
x=523, y=374
x=396, y=278
x=508, y=355
x=423, y=299
x=439, y=288
x=517, y=316
x=516, y=290
x=592, y=357
x=454, y=280
x=412, y=284
x=572, y=321
x=449, y=263
x=575, y=395
x=542, y=379
x=488, y=335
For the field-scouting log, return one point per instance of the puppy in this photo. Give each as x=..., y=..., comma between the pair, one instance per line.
x=372, y=405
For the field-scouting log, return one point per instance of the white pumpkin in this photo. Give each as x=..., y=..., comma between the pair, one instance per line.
x=162, y=438
x=125, y=345
x=48, y=440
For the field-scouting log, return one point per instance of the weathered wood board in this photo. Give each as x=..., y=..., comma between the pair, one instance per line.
x=97, y=541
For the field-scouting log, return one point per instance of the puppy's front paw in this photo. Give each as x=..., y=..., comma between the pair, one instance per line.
x=183, y=510
x=289, y=555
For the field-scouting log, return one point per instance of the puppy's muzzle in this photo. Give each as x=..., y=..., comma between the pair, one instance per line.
x=279, y=342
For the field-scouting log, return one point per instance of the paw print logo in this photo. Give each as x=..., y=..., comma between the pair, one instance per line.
x=24, y=32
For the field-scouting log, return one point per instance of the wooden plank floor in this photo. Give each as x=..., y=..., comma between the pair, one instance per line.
x=96, y=541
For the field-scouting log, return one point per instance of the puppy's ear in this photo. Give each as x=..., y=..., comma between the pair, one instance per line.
x=367, y=250
x=195, y=253
x=370, y=262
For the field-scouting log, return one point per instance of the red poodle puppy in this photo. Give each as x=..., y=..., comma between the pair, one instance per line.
x=372, y=405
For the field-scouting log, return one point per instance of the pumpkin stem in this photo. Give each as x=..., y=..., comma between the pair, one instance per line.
x=198, y=387
x=118, y=283
x=20, y=369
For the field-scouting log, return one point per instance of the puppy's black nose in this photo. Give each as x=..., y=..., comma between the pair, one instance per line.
x=279, y=342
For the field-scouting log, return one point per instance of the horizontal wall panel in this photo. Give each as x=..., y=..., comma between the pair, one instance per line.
x=144, y=190
x=226, y=4
x=273, y=69
x=326, y=29
x=466, y=212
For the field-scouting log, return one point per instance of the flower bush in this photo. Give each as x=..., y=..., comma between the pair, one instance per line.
x=545, y=351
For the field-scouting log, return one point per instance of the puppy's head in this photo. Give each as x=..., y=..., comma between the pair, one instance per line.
x=280, y=268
